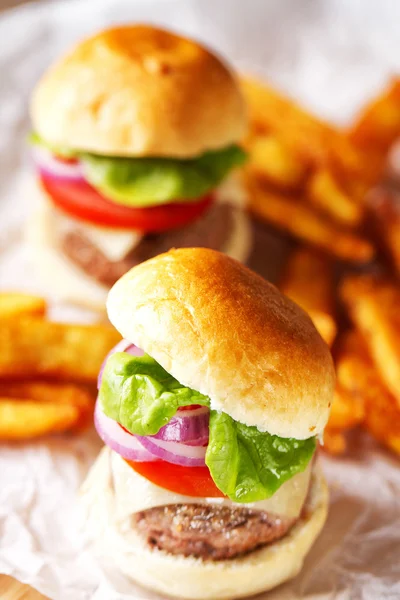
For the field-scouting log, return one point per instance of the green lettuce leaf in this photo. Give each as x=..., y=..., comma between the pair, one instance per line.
x=35, y=139
x=245, y=464
x=151, y=181
x=249, y=465
x=138, y=393
x=143, y=182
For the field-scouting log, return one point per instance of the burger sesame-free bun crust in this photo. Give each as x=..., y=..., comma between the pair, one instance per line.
x=219, y=328
x=139, y=91
x=191, y=578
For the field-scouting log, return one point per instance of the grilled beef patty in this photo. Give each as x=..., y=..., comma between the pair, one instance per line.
x=210, y=532
x=212, y=230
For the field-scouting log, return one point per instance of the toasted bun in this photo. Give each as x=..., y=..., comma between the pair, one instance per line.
x=139, y=91
x=219, y=328
x=191, y=578
x=69, y=283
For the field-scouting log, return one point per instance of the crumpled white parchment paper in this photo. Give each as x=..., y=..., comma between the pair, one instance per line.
x=330, y=54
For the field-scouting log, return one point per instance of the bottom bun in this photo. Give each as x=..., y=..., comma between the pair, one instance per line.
x=193, y=578
x=69, y=283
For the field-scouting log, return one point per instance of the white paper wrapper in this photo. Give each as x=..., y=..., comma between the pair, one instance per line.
x=330, y=54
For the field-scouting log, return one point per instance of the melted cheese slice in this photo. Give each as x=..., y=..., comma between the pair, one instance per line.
x=133, y=493
x=115, y=244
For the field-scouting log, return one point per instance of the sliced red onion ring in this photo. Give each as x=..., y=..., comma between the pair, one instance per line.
x=122, y=346
x=125, y=444
x=49, y=165
x=187, y=426
x=182, y=441
x=173, y=452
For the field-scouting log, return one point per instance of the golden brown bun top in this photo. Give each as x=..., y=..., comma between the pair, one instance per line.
x=221, y=329
x=139, y=91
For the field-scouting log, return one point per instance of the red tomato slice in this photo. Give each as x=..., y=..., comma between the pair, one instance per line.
x=79, y=199
x=188, y=481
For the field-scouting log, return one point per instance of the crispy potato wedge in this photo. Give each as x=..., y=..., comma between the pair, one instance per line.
x=357, y=373
x=308, y=280
x=379, y=124
x=53, y=393
x=374, y=306
x=324, y=192
x=17, y=304
x=290, y=214
x=25, y=419
x=35, y=348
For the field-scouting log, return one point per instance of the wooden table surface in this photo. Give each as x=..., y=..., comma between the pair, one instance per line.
x=4, y=4
x=11, y=589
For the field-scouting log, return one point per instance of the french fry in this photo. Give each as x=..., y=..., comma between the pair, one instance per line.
x=379, y=124
x=348, y=408
x=311, y=140
x=21, y=420
x=35, y=348
x=290, y=214
x=382, y=418
x=273, y=111
x=308, y=280
x=324, y=193
x=274, y=162
x=373, y=303
x=385, y=206
x=17, y=304
x=334, y=441
x=347, y=411
x=357, y=373
x=350, y=359
x=52, y=393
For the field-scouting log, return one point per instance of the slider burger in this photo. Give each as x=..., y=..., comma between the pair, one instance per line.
x=135, y=139
x=210, y=408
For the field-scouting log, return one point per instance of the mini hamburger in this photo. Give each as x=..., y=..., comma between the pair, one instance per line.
x=210, y=409
x=135, y=139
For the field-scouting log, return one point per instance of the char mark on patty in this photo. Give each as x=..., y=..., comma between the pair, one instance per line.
x=210, y=532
